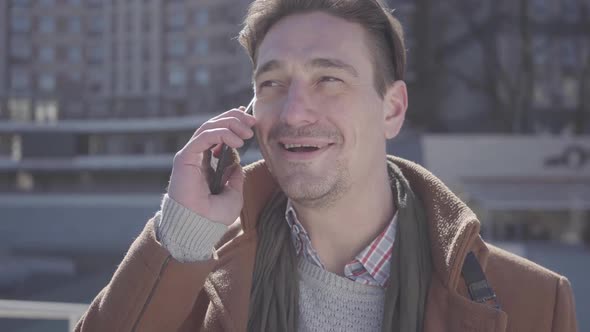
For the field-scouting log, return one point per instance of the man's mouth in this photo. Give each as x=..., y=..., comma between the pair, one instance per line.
x=303, y=147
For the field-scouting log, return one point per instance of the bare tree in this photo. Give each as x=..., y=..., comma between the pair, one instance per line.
x=581, y=117
x=508, y=85
x=426, y=91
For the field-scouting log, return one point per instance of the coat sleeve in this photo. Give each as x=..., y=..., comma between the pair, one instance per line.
x=564, y=317
x=150, y=291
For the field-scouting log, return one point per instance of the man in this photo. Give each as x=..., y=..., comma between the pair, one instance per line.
x=327, y=233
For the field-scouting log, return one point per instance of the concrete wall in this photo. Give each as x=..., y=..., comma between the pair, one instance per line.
x=69, y=223
x=452, y=157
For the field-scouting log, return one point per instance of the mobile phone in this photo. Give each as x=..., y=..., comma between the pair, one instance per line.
x=225, y=156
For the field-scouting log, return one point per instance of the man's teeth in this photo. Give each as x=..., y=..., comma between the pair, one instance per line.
x=293, y=146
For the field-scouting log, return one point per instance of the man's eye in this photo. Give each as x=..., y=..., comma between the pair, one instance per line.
x=268, y=84
x=330, y=79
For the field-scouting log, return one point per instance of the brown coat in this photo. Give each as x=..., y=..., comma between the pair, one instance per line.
x=151, y=291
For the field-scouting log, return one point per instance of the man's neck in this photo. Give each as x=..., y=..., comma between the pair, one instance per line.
x=342, y=230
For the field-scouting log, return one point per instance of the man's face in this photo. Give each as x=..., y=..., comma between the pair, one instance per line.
x=321, y=124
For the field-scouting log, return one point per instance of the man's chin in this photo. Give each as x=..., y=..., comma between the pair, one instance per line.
x=301, y=186
x=314, y=192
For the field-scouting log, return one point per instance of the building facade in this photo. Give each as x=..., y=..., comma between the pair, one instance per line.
x=93, y=79
x=92, y=59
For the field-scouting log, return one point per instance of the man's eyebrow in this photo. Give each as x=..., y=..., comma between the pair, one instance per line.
x=332, y=64
x=266, y=67
x=315, y=63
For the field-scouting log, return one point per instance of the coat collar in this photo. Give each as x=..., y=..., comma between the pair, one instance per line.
x=454, y=231
x=454, y=228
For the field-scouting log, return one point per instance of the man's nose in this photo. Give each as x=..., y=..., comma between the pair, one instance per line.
x=297, y=109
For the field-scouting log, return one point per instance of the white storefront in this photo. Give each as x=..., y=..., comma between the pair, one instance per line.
x=521, y=186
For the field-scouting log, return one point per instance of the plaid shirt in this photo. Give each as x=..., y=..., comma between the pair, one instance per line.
x=369, y=267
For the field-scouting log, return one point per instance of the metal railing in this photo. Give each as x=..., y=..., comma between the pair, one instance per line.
x=43, y=310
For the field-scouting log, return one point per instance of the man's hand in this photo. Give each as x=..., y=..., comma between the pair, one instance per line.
x=188, y=183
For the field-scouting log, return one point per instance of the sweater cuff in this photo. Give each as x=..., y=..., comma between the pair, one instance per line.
x=187, y=236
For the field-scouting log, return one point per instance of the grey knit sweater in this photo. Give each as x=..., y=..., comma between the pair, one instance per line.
x=327, y=302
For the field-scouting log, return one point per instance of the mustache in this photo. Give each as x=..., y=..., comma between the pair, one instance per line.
x=283, y=130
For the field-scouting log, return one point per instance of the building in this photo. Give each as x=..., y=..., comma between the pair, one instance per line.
x=77, y=76
x=74, y=59
x=96, y=97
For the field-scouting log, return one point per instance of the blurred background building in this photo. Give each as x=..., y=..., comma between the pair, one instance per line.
x=96, y=96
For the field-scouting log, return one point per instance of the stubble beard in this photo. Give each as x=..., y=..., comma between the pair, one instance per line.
x=315, y=190
x=298, y=180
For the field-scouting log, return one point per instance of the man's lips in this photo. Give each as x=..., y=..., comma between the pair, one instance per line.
x=303, y=151
x=295, y=145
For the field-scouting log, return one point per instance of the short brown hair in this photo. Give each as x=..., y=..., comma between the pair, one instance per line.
x=384, y=31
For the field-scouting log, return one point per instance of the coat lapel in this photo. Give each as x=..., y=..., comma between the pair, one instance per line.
x=228, y=287
x=454, y=231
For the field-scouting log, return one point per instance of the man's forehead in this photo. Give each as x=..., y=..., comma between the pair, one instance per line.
x=305, y=37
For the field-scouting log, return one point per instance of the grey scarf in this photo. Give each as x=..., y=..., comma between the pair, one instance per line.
x=275, y=282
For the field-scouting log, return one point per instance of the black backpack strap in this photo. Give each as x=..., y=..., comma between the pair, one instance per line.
x=479, y=289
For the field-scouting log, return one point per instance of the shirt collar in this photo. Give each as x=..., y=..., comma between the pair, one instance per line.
x=373, y=260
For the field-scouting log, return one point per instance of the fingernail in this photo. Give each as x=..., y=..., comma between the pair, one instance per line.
x=217, y=151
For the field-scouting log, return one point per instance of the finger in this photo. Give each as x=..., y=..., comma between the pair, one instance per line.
x=237, y=113
x=212, y=137
x=234, y=124
x=217, y=150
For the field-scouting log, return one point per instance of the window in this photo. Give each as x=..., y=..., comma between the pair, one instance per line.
x=74, y=25
x=25, y=181
x=19, y=80
x=202, y=76
x=541, y=97
x=570, y=92
x=20, y=109
x=20, y=3
x=47, y=82
x=20, y=23
x=20, y=48
x=202, y=47
x=540, y=8
x=75, y=2
x=176, y=19
x=74, y=76
x=94, y=3
x=176, y=47
x=147, y=21
x=569, y=52
x=96, y=24
x=202, y=17
x=74, y=54
x=176, y=76
x=96, y=145
x=47, y=54
x=46, y=111
x=146, y=82
x=540, y=50
x=46, y=3
x=96, y=54
x=570, y=10
x=47, y=24
x=145, y=52
x=17, y=148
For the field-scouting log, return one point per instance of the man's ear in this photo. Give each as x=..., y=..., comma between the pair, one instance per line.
x=395, y=104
